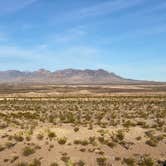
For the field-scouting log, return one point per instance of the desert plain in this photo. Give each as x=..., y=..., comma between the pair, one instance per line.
x=77, y=125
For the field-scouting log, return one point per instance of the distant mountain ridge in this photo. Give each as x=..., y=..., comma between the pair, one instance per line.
x=66, y=76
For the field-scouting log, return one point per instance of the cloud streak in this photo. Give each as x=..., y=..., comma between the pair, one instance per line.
x=100, y=9
x=108, y=7
x=11, y=6
x=70, y=35
x=137, y=33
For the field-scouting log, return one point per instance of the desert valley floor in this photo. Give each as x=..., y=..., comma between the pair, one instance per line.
x=77, y=126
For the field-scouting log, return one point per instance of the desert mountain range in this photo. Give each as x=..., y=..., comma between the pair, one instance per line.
x=67, y=76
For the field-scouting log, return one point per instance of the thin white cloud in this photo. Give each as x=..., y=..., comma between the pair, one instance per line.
x=42, y=51
x=14, y=51
x=150, y=13
x=11, y=51
x=108, y=7
x=78, y=55
x=70, y=35
x=152, y=9
x=81, y=56
x=10, y=6
x=102, y=8
x=135, y=34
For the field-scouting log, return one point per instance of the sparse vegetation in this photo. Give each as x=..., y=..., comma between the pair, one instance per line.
x=89, y=126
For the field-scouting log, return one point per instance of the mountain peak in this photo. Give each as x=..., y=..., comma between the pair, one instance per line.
x=42, y=71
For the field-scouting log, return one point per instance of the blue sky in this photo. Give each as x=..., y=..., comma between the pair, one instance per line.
x=127, y=37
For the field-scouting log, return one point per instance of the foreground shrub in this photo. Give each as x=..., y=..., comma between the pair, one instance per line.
x=22, y=164
x=129, y=161
x=51, y=134
x=101, y=161
x=146, y=161
x=76, y=129
x=54, y=164
x=152, y=142
x=62, y=141
x=35, y=162
x=28, y=151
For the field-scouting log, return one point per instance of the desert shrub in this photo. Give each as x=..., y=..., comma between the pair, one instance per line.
x=81, y=142
x=101, y=139
x=90, y=126
x=76, y=129
x=37, y=147
x=35, y=162
x=138, y=138
x=160, y=137
x=51, y=134
x=162, y=163
x=62, y=141
x=149, y=133
x=10, y=137
x=129, y=161
x=79, y=163
x=120, y=135
x=69, y=118
x=3, y=125
x=102, y=132
x=152, y=142
x=14, y=158
x=128, y=124
x=54, y=164
x=51, y=146
x=6, y=160
x=92, y=140
x=101, y=161
x=77, y=142
x=110, y=144
x=18, y=138
x=51, y=119
x=146, y=161
x=40, y=136
x=141, y=123
x=82, y=149
x=65, y=158
x=84, y=142
x=22, y=164
x=9, y=144
x=117, y=158
x=2, y=148
x=28, y=151
x=28, y=138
